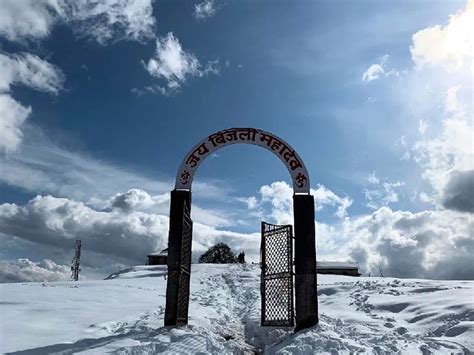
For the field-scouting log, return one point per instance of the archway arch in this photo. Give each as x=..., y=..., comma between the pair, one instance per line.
x=282, y=150
x=180, y=230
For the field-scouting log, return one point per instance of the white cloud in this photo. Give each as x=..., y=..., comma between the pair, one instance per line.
x=12, y=116
x=41, y=166
x=280, y=195
x=451, y=100
x=115, y=236
x=24, y=270
x=381, y=193
x=451, y=150
x=207, y=236
x=450, y=46
x=58, y=221
x=112, y=20
x=424, y=197
x=402, y=143
x=325, y=197
x=137, y=200
x=29, y=19
x=204, y=10
x=174, y=65
x=29, y=70
x=251, y=202
x=373, y=179
x=375, y=71
x=443, y=56
x=403, y=244
x=422, y=126
x=103, y=21
x=431, y=244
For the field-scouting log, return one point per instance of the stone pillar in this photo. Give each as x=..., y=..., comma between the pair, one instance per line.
x=305, y=262
x=175, y=236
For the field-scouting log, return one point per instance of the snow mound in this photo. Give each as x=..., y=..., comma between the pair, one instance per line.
x=124, y=314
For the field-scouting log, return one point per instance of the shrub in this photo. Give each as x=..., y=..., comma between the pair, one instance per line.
x=218, y=254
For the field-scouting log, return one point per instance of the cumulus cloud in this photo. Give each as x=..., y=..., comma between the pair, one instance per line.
x=24, y=270
x=204, y=10
x=124, y=230
x=450, y=46
x=401, y=243
x=137, y=200
x=251, y=202
x=430, y=244
x=174, y=65
x=58, y=221
x=445, y=51
x=446, y=153
x=325, y=197
x=381, y=193
x=458, y=194
x=103, y=21
x=377, y=70
x=280, y=197
x=12, y=116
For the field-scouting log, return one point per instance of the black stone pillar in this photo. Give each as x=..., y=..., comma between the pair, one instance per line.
x=175, y=236
x=305, y=262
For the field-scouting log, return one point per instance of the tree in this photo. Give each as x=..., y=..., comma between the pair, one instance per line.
x=241, y=258
x=218, y=254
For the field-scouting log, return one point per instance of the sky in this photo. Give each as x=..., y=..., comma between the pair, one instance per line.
x=100, y=101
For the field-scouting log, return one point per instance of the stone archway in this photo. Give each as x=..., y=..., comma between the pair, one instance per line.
x=306, y=306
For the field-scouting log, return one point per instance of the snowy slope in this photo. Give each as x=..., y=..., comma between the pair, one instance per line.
x=124, y=314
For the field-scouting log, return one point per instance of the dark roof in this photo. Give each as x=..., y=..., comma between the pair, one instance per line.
x=164, y=252
x=341, y=265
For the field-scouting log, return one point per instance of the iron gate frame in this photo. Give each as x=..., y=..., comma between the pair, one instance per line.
x=185, y=268
x=288, y=313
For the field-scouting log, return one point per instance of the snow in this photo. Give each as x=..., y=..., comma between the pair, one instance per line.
x=124, y=314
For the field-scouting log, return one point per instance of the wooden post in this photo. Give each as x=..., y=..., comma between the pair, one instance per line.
x=305, y=262
x=175, y=236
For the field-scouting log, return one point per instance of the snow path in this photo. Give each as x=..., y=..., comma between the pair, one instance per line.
x=124, y=315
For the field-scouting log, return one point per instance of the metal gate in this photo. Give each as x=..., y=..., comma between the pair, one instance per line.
x=185, y=268
x=276, y=285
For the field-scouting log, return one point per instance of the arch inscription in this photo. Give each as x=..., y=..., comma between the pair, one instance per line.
x=266, y=140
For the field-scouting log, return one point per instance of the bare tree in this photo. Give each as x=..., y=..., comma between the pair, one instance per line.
x=380, y=271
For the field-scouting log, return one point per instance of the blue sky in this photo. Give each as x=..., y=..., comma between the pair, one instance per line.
x=367, y=92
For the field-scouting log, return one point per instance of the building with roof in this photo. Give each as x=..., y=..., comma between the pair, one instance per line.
x=158, y=258
x=337, y=268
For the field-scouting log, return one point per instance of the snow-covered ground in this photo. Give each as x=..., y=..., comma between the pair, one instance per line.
x=124, y=314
